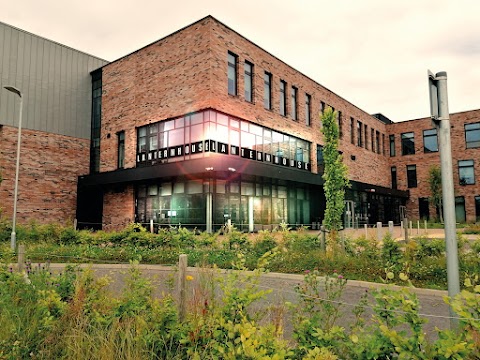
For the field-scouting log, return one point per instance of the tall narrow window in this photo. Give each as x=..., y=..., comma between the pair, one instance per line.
x=320, y=160
x=477, y=208
x=267, y=97
x=121, y=149
x=366, y=136
x=96, y=121
x=393, y=172
x=352, y=130
x=232, y=73
x=294, y=103
x=383, y=144
x=412, y=176
x=372, y=139
x=308, y=110
x=359, y=134
x=322, y=107
x=248, y=81
x=392, y=145
x=377, y=141
x=430, y=143
x=408, y=143
x=283, y=98
x=472, y=135
x=465, y=172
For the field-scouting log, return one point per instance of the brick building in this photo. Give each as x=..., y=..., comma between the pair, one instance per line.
x=55, y=84
x=204, y=127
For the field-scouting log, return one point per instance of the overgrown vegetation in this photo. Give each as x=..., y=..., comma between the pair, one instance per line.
x=361, y=259
x=72, y=315
x=435, y=184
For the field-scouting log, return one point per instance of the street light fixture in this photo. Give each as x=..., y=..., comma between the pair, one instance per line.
x=13, y=238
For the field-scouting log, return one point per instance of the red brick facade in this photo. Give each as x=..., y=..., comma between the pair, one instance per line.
x=49, y=167
x=424, y=161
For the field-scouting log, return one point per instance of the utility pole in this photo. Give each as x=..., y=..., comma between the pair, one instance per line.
x=441, y=119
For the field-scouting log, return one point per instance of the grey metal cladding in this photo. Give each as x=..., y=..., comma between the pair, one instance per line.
x=53, y=78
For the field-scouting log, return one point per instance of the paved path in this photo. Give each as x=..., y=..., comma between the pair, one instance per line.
x=282, y=290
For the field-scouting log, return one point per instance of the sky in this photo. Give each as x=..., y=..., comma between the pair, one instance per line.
x=373, y=53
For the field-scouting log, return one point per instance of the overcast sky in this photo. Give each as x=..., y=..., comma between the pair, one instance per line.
x=373, y=53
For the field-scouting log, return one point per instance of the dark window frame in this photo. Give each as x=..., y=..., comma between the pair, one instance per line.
x=294, y=99
x=359, y=134
x=232, y=66
x=408, y=143
x=352, y=130
x=412, y=176
x=283, y=100
x=471, y=130
x=267, y=90
x=391, y=139
x=463, y=167
x=121, y=149
x=248, y=74
x=308, y=110
x=428, y=135
x=394, y=178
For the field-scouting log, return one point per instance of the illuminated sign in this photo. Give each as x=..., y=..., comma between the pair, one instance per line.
x=220, y=148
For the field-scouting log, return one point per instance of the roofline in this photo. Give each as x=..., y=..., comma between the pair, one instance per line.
x=52, y=41
x=234, y=31
x=428, y=117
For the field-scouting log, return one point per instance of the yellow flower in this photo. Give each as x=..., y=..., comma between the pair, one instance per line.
x=189, y=277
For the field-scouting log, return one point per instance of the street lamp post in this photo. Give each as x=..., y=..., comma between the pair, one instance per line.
x=13, y=237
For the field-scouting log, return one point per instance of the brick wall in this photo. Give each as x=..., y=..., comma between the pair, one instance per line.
x=49, y=167
x=187, y=71
x=424, y=161
x=118, y=208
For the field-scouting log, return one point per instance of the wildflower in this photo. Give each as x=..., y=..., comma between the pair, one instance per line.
x=335, y=271
x=10, y=269
x=189, y=277
x=307, y=271
x=340, y=276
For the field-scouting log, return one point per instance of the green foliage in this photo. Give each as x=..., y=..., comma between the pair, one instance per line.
x=435, y=184
x=335, y=174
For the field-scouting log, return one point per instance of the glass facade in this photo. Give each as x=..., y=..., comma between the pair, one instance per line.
x=249, y=204
x=203, y=133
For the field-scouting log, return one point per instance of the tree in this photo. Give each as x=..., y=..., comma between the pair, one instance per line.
x=335, y=174
x=435, y=183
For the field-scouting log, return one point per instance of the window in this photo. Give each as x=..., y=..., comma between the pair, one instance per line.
x=393, y=172
x=283, y=98
x=377, y=141
x=423, y=208
x=383, y=144
x=392, y=145
x=352, y=130
x=359, y=134
x=340, y=121
x=294, y=103
x=477, y=208
x=430, y=143
x=96, y=121
x=366, y=136
x=465, y=172
x=408, y=143
x=121, y=149
x=308, y=111
x=372, y=139
x=322, y=107
x=232, y=73
x=248, y=81
x=472, y=135
x=320, y=160
x=411, y=176
x=267, y=94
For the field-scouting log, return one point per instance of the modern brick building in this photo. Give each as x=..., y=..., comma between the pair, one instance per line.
x=55, y=84
x=204, y=127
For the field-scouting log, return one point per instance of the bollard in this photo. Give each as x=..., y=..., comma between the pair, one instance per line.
x=379, y=230
x=21, y=257
x=426, y=227
x=75, y=224
x=418, y=227
x=390, y=228
x=151, y=226
x=182, y=274
x=366, y=231
x=405, y=228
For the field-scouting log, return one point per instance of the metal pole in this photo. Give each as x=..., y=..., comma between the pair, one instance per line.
x=445, y=149
x=13, y=236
